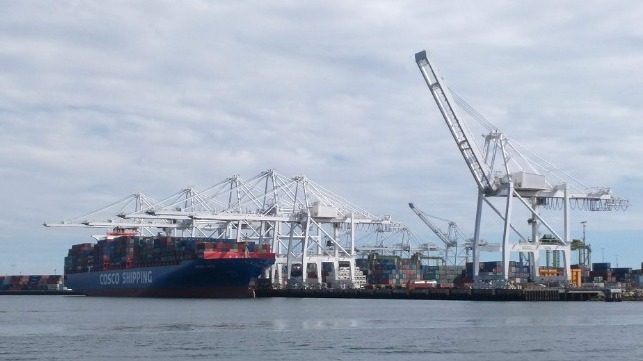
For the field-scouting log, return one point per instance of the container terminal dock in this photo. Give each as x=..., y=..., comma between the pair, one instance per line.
x=436, y=294
x=422, y=293
x=393, y=277
x=552, y=294
x=321, y=245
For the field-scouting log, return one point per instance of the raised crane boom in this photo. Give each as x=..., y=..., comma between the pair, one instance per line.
x=481, y=171
x=443, y=237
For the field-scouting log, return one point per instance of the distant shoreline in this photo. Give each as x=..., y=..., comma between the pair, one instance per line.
x=40, y=293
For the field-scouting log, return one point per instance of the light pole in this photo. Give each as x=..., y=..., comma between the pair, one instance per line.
x=584, y=223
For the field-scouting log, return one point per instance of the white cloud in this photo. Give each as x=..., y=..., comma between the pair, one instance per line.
x=100, y=100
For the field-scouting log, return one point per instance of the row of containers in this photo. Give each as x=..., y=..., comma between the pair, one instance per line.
x=517, y=270
x=603, y=272
x=128, y=252
x=388, y=270
x=398, y=272
x=395, y=271
x=30, y=283
x=600, y=272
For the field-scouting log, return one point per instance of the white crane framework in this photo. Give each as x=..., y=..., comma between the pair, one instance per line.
x=502, y=168
x=450, y=238
x=457, y=245
x=304, y=223
x=398, y=242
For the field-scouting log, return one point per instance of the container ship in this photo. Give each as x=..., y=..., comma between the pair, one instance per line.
x=15, y=283
x=127, y=265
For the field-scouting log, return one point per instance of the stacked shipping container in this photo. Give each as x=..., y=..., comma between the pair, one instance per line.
x=127, y=252
x=390, y=271
x=517, y=271
x=30, y=283
x=445, y=276
x=601, y=272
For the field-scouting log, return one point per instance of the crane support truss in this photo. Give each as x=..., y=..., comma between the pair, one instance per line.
x=504, y=169
x=305, y=224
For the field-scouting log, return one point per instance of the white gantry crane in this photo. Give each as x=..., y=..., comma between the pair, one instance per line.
x=399, y=242
x=502, y=168
x=457, y=245
x=450, y=239
x=308, y=227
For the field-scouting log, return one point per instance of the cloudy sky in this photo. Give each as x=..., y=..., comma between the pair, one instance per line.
x=104, y=99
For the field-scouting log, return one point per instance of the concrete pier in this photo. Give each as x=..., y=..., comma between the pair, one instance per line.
x=548, y=294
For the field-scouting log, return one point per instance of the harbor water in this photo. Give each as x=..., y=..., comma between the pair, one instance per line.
x=86, y=328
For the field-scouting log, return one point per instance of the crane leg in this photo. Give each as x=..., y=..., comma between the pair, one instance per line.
x=506, y=247
x=476, y=237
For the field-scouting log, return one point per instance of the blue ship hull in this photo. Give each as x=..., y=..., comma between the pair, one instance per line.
x=205, y=278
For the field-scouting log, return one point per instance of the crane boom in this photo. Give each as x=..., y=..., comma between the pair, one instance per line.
x=440, y=234
x=481, y=171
